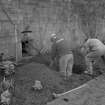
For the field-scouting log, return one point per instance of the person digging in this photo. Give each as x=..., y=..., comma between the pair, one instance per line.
x=93, y=49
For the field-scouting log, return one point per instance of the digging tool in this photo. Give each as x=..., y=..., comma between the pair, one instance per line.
x=61, y=94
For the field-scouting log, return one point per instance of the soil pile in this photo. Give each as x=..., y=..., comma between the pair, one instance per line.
x=50, y=79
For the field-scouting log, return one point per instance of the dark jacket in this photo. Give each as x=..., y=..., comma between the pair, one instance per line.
x=61, y=48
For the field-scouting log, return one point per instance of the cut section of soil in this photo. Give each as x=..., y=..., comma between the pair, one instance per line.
x=50, y=79
x=36, y=68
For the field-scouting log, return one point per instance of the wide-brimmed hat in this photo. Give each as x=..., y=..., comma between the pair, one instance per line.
x=27, y=31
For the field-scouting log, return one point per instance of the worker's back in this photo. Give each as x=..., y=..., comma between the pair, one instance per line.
x=63, y=47
x=94, y=44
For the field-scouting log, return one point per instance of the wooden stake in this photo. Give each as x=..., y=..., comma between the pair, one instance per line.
x=16, y=40
x=58, y=95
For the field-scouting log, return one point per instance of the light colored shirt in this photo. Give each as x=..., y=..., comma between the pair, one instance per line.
x=94, y=45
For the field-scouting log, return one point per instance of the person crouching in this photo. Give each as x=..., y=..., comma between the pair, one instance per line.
x=93, y=49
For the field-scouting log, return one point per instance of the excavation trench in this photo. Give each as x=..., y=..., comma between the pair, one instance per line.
x=37, y=69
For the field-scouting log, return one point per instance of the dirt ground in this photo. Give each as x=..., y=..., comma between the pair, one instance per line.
x=37, y=69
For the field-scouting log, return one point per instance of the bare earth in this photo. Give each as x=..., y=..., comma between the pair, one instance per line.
x=51, y=80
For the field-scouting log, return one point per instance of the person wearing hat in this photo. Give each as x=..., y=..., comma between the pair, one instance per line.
x=93, y=49
x=62, y=51
x=26, y=41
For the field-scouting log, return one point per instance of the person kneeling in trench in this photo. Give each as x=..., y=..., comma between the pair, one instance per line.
x=93, y=49
x=62, y=52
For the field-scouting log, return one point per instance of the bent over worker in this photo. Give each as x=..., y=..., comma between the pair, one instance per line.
x=93, y=49
x=62, y=51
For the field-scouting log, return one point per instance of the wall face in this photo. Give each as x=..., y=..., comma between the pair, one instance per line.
x=54, y=17
x=44, y=18
x=7, y=43
x=100, y=29
x=7, y=46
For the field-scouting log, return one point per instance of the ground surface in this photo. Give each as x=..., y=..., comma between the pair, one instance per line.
x=51, y=81
x=91, y=93
x=34, y=69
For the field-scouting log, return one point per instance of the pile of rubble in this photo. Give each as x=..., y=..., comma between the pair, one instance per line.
x=7, y=68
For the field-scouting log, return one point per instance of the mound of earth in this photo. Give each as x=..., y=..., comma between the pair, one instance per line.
x=50, y=79
x=37, y=68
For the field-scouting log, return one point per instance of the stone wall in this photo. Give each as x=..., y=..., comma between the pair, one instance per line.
x=53, y=17
x=7, y=38
x=44, y=17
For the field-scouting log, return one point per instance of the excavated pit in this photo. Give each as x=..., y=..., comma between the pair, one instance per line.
x=37, y=69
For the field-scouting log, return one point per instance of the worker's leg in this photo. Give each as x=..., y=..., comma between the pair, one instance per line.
x=62, y=65
x=65, y=65
x=90, y=59
x=70, y=62
x=89, y=65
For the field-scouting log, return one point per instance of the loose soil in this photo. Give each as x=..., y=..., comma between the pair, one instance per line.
x=37, y=69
